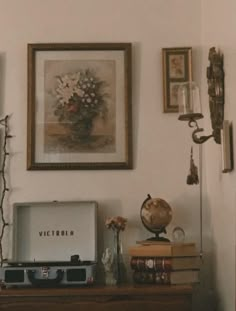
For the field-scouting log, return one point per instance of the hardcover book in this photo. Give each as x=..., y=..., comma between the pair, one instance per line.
x=155, y=264
x=166, y=278
x=163, y=250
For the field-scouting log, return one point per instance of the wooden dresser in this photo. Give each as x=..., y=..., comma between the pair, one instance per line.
x=124, y=298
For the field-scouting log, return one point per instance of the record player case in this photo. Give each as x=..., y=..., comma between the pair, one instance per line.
x=54, y=244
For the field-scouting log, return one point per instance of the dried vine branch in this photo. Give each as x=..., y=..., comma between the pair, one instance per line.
x=4, y=123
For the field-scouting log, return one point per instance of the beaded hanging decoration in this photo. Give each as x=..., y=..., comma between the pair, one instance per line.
x=192, y=177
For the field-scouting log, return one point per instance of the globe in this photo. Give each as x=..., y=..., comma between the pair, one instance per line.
x=156, y=214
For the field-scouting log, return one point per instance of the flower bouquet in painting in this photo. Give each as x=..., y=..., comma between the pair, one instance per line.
x=80, y=100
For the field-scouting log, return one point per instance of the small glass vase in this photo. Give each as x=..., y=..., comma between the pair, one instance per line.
x=118, y=265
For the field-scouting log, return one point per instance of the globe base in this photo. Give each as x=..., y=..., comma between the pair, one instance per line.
x=158, y=238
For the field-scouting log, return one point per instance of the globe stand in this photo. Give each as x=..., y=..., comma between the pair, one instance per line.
x=158, y=238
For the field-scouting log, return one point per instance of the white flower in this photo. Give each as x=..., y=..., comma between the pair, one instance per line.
x=65, y=94
x=78, y=91
x=68, y=86
x=75, y=76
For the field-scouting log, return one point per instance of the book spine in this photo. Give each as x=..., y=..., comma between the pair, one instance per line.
x=144, y=277
x=144, y=251
x=163, y=250
x=151, y=264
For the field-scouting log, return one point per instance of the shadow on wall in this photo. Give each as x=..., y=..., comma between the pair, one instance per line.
x=186, y=214
x=205, y=296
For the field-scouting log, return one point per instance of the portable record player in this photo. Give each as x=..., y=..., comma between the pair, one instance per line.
x=54, y=244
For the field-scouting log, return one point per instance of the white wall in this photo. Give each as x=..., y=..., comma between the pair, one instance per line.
x=218, y=23
x=161, y=143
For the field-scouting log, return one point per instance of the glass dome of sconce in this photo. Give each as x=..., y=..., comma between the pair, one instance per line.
x=189, y=101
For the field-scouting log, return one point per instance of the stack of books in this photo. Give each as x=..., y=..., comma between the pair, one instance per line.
x=164, y=263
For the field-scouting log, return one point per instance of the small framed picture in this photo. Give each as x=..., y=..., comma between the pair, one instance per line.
x=177, y=68
x=79, y=106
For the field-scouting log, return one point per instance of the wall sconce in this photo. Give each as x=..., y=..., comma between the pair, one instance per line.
x=190, y=105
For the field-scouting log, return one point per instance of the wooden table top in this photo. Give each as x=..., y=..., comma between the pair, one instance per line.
x=137, y=290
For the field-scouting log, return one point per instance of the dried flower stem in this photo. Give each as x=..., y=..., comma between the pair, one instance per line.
x=117, y=237
x=4, y=123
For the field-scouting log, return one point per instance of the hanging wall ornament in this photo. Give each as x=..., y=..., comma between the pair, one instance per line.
x=192, y=178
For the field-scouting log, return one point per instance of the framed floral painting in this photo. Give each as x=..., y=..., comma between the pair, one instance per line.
x=177, y=68
x=79, y=106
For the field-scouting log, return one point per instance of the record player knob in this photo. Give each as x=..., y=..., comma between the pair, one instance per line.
x=74, y=259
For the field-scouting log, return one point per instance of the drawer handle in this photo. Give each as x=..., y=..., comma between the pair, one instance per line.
x=47, y=282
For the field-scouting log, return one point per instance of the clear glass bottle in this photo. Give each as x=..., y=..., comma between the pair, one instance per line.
x=118, y=265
